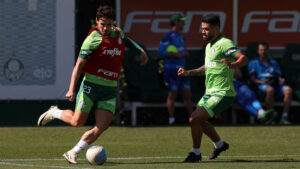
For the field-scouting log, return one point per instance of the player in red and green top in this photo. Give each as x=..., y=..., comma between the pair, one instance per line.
x=100, y=61
x=221, y=57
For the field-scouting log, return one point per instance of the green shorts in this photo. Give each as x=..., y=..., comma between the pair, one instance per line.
x=91, y=94
x=215, y=104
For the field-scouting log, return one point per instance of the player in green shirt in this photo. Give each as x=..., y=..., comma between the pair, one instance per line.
x=221, y=57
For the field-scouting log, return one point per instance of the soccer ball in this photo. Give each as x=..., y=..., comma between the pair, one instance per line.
x=96, y=155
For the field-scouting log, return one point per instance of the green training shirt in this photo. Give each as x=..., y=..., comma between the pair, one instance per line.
x=219, y=78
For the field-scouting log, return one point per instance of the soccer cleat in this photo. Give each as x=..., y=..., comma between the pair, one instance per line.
x=47, y=116
x=217, y=151
x=284, y=121
x=70, y=156
x=192, y=158
x=267, y=116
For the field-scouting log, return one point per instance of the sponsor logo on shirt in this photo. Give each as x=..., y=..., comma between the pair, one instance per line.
x=210, y=64
x=107, y=73
x=112, y=52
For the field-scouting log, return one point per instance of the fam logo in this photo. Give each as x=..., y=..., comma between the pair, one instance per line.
x=13, y=69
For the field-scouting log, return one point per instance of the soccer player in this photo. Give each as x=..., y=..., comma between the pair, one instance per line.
x=172, y=49
x=107, y=6
x=100, y=61
x=221, y=57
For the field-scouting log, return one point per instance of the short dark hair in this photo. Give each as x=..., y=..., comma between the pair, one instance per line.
x=264, y=44
x=213, y=20
x=106, y=3
x=109, y=15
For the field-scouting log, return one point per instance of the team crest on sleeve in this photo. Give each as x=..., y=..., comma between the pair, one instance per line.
x=119, y=41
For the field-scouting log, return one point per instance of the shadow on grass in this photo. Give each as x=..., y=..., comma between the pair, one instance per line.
x=207, y=162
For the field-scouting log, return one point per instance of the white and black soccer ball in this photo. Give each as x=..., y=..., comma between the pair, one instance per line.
x=96, y=155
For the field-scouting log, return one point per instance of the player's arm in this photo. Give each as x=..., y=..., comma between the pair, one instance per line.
x=132, y=44
x=74, y=78
x=90, y=43
x=193, y=72
x=241, y=60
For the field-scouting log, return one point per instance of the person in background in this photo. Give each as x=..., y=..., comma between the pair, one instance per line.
x=247, y=99
x=265, y=73
x=172, y=49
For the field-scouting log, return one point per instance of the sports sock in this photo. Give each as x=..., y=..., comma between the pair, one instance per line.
x=171, y=120
x=285, y=115
x=57, y=113
x=81, y=145
x=196, y=151
x=260, y=112
x=218, y=144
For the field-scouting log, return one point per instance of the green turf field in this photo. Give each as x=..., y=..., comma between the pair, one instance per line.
x=152, y=147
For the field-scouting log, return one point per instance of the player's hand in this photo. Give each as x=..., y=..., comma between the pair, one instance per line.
x=227, y=63
x=182, y=72
x=70, y=95
x=144, y=58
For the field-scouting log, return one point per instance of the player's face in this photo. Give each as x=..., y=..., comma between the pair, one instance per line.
x=179, y=25
x=208, y=32
x=105, y=25
x=262, y=50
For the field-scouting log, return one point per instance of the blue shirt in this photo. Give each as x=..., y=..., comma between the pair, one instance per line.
x=176, y=39
x=261, y=72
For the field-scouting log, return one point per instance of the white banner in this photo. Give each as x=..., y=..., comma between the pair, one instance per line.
x=36, y=48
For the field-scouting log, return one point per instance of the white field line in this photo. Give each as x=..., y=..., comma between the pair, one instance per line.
x=157, y=157
x=37, y=166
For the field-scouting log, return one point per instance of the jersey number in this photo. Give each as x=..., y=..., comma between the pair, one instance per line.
x=87, y=89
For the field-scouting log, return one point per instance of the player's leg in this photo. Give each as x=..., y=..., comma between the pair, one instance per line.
x=170, y=105
x=197, y=118
x=103, y=120
x=287, y=93
x=247, y=98
x=269, y=93
x=84, y=103
x=187, y=95
x=103, y=117
x=214, y=105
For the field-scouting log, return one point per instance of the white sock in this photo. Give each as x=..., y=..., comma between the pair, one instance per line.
x=196, y=151
x=218, y=144
x=171, y=120
x=81, y=145
x=260, y=111
x=57, y=113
